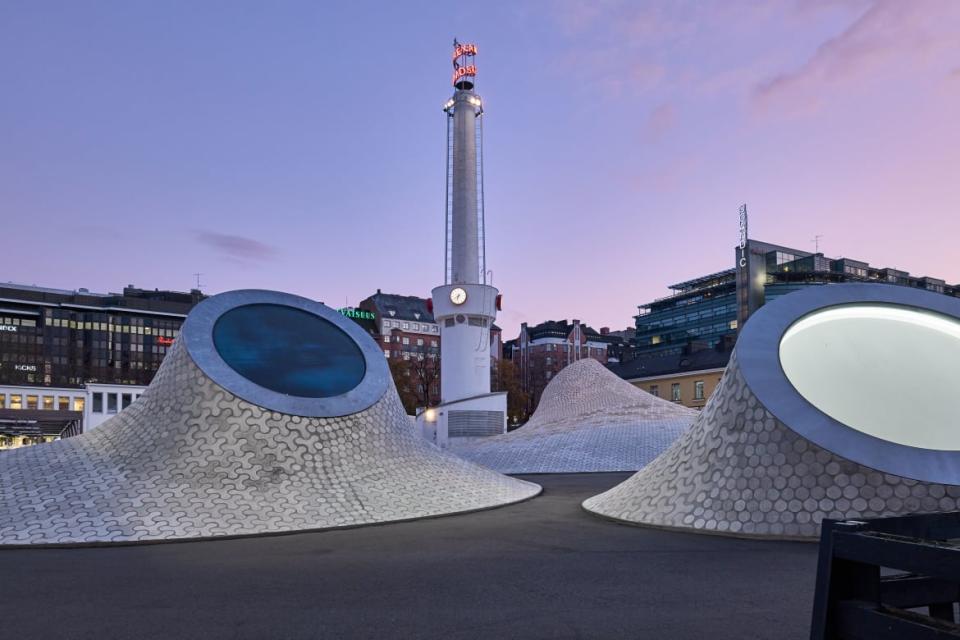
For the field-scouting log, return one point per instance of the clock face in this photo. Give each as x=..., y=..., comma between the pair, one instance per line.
x=458, y=296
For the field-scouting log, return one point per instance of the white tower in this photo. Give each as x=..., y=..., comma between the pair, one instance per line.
x=465, y=306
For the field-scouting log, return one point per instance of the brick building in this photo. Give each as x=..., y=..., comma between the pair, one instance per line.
x=541, y=351
x=405, y=329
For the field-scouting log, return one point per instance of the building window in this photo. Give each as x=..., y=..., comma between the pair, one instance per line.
x=32, y=402
x=419, y=342
x=3, y=401
x=406, y=341
x=386, y=354
x=698, y=390
x=78, y=404
x=675, y=391
x=63, y=403
x=111, y=403
x=48, y=403
x=655, y=390
x=549, y=374
x=98, y=402
x=386, y=339
x=16, y=401
x=435, y=329
x=406, y=325
x=549, y=360
x=433, y=343
x=125, y=401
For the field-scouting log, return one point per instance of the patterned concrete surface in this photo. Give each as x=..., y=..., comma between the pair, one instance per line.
x=588, y=420
x=740, y=471
x=191, y=460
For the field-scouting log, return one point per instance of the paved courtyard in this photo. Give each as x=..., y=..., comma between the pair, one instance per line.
x=539, y=569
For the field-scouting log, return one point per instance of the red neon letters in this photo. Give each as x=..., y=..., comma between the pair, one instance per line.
x=464, y=50
x=460, y=72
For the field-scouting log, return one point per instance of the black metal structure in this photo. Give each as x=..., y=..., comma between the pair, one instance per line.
x=40, y=423
x=895, y=578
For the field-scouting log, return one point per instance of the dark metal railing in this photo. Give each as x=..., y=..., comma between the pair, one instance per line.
x=888, y=578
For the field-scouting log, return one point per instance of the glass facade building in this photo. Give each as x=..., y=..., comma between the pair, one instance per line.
x=703, y=310
x=71, y=359
x=708, y=310
x=68, y=338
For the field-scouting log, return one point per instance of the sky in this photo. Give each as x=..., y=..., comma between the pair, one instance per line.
x=300, y=146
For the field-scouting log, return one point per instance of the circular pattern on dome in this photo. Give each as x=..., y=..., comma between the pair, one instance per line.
x=289, y=350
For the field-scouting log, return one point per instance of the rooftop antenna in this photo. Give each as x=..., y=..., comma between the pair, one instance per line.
x=197, y=276
x=816, y=242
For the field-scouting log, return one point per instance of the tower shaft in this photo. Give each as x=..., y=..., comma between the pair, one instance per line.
x=465, y=240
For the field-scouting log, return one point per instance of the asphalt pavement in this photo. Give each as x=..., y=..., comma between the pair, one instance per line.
x=539, y=569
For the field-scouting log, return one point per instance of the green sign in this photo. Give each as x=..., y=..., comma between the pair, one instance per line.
x=358, y=314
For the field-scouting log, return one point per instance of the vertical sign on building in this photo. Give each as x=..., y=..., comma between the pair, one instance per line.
x=743, y=236
x=743, y=270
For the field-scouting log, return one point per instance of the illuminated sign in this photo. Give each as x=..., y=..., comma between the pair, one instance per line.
x=28, y=368
x=12, y=328
x=358, y=314
x=164, y=341
x=743, y=235
x=461, y=72
x=464, y=50
x=461, y=53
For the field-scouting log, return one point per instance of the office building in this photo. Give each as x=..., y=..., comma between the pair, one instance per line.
x=705, y=311
x=68, y=353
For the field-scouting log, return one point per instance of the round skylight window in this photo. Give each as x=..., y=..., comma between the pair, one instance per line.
x=289, y=350
x=890, y=371
x=286, y=353
x=867, y=371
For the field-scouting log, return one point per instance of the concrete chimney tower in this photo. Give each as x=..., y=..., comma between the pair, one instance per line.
x=466, y=305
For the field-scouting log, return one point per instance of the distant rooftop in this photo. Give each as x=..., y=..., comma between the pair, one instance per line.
x=662, y=365
x=562, y=328
x=695, y=282
x=62, y=292
x=132, y=298
x=398, y=307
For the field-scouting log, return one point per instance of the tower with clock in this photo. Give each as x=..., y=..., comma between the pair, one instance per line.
x=466, y=304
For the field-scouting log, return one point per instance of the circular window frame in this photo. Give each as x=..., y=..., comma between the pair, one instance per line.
x=758, y=356
x=197, y=335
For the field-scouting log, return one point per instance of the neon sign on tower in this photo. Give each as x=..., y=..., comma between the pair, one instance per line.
x=463, y=65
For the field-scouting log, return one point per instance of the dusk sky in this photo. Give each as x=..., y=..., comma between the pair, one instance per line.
x=300, y=146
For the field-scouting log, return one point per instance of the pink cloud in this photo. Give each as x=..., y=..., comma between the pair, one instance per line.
x=671, y=174
x=661, y=120
x=613, y=72
x=888, y=32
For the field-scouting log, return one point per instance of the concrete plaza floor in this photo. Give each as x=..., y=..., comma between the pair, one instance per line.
x=539, y=569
